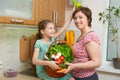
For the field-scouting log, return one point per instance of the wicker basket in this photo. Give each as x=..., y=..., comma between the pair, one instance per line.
x=53, y=73
x=48, y=70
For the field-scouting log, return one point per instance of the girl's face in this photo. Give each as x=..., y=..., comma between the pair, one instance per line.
x=80, y=20
x=49, y=30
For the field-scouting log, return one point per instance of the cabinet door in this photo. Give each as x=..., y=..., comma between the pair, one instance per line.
x=44, y=10
x=59, y=12
x=18, y=11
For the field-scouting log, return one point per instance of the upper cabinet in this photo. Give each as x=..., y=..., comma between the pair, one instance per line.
x=44, y=10
x=18, y=11
x=53, y=10
x=30, y=12
x=59, y=12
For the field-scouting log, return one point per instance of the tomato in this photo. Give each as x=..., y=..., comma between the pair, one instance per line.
x=62, y=58
x=59, y=61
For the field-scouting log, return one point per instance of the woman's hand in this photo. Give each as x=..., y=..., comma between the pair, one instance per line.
x=70, y=67
x=53, y=65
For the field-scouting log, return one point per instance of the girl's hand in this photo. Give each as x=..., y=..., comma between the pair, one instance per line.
x=70, y=67
x=53, y=65
x=71, y=78
x=73, y=8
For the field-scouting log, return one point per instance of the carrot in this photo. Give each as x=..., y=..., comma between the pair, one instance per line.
x=67, y=37
x=71, y=37
x=61, y=70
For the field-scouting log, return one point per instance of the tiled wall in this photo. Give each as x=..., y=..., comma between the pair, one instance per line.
x=9, y=45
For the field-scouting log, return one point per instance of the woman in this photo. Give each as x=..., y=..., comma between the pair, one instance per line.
x=86, y=49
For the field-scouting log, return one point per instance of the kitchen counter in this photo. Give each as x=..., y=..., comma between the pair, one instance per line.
x=19, y=77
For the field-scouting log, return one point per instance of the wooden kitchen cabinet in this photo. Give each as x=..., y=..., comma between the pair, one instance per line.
x=31, y=12
x=44, y=10
x=59, y=12
x=18, y=12
x=53, y=10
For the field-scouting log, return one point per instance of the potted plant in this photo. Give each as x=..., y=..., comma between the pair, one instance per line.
x=112, y=16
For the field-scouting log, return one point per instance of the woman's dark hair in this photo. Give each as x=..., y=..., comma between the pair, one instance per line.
x=86, y=11
x=41, y=26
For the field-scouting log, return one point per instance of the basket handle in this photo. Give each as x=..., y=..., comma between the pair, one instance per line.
x=61, y=41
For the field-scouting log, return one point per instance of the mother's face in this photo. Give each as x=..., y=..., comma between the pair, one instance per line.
x=80, y=20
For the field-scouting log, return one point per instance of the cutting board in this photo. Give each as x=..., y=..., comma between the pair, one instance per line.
x=24, y=49
x=32, y=43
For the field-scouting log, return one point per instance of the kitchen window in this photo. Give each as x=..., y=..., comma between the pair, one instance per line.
x=111, y=45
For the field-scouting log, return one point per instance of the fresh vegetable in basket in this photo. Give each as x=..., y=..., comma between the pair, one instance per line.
x=70, y=36
x=61, y=53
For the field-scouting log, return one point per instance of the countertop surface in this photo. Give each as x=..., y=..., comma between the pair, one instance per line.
x=19, y=77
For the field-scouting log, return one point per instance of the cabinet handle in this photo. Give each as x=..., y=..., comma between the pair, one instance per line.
x=17, y=21
x=54, y=16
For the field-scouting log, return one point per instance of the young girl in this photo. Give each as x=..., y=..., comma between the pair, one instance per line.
x=45, y=36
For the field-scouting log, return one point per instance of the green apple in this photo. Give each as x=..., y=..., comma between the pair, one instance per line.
x=77, y=4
